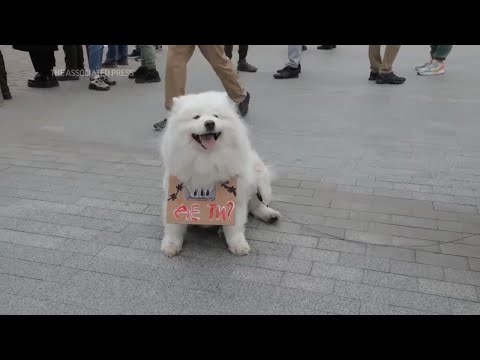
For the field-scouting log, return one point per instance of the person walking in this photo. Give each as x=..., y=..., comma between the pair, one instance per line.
x=242, y=64
x=74, y=63
x=43, y=61
x=293, y=67
x=381, y=68
x=178, y=57
x=436, y=65
x=6, y=95
x=147, y=72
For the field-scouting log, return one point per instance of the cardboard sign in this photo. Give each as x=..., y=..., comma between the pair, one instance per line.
x=211, y=206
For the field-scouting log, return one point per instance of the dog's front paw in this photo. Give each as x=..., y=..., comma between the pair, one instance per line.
x=273, y=216
x=239, y=246
x=170, y=249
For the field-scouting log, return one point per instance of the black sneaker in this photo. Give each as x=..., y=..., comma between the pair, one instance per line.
x=390, y=78
x=43, y=81
x=304, y=48
x=150, y=76
x=243, y=65
x=138, y=73
x=287, y=73
x=373, y=76
x=243, y=106
x=135, y=53
x=160, y=125
x=299, y=69
x=326, y=47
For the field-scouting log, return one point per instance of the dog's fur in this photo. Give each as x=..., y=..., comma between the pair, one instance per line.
x=197, y=166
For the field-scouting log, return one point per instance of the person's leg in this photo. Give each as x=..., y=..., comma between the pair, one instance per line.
x=441, y=52
x=122, y=55
x=386, y=75
x=243, y=65
x=112, y=55
x=293, y=67
x=176, y=72
x=95, y=53
x=242, y=52
x=229, y=51
x=326, y=47
x=79, y=57
x=223, y=67
x=150, y=73
x=389, y=57
x=375, y=58
x=43, y=63
x=178, y=57
x=71, y=63
x=436, y=67
x=294, y=55
x=70, y=57
x=3, y=80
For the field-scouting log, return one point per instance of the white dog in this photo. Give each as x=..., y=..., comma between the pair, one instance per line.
x=205, y=142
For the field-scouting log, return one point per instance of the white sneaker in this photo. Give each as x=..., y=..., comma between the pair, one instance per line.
x=418, y=67
x=434, y=68
x=98, y=84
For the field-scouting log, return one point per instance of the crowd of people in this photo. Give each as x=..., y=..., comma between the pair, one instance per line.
x=219, y=57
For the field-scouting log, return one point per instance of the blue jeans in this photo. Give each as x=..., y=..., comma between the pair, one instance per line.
x=117, y=53
x=95, y=55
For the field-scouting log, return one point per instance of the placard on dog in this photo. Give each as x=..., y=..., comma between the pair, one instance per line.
x=210, y=206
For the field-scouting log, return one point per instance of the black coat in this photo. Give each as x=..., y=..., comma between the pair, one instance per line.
x=36, y=48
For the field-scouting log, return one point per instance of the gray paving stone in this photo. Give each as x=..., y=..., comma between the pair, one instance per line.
x=276, y=263
x=100, y=213
x=420, y=301
x=474, y=264
x=281, y=238
x=324, y=256
x=35, y=270
x=264, y=276
x=364, y=292
x=34, y=254
x=448, y=289
x=391, y=252
x=417, y=270
x=462, y=276
x=267, y=248
x=114, y=205
x=364, y=262
x=287, y=190
x=154, y=210
x=386, y=309
x=461, y=307
x=441, y=206
x=451, y=261
x=368, y=237
x=140, y=218
x=337, y=272
x=72, y=220
x=390, y=280
x=287, y=182
x=306, y=282
x=461, y=250
x=341, y=245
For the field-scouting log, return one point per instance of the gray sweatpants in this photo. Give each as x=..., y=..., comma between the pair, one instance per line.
x=148, y=56
x=294, y=55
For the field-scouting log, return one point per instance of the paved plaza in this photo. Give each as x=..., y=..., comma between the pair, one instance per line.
x=378, y=185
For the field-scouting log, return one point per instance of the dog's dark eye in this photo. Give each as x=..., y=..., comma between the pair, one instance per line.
x=196, y=117
x=216, y=116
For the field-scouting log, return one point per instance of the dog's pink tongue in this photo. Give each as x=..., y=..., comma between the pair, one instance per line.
x=208, y=141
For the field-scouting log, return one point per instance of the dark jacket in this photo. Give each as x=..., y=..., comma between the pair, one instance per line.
x=36, y=48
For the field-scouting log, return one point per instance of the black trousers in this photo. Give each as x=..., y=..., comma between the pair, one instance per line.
x=73, y=57
x=43, y=61
x=242, y=51
x=3, y=72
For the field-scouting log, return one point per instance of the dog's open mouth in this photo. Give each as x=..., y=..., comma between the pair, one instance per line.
x=207, y=141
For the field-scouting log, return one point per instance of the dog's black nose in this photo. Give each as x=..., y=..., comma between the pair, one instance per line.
x=210, y=125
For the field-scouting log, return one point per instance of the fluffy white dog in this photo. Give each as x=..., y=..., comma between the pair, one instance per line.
x=205, y=142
